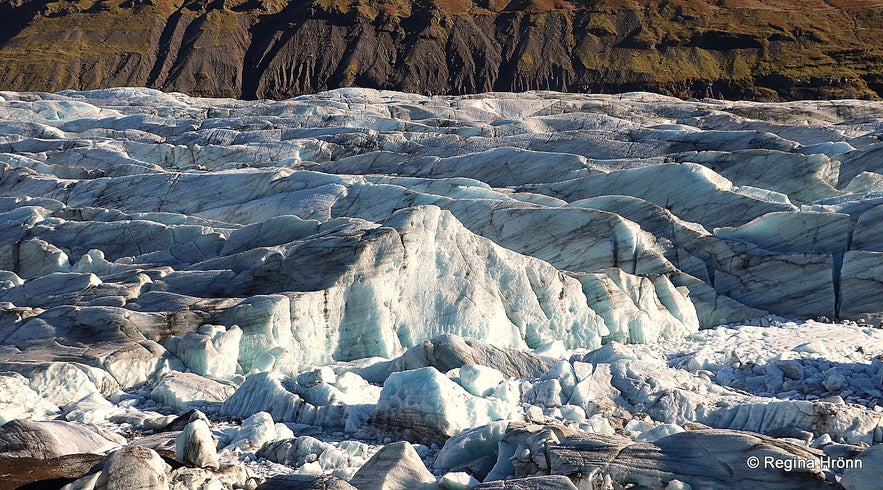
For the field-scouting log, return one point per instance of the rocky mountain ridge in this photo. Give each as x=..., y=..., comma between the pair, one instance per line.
x=271, y=49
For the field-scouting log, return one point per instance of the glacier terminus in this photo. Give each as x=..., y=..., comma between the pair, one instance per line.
x=380, y=290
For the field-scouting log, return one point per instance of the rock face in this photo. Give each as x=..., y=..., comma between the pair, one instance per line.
x=272, y=49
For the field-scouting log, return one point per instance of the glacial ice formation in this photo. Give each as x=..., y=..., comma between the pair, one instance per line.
x=512, y=282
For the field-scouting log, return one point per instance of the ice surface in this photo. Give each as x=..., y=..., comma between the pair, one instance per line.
x=53, y=438
x=211, y=351
x=19, y=401
x=195, y=446
x=256, y=431
x=396, y=467
x=380, y=265
x=183, y=391
x=425, y=399
x=480, y=380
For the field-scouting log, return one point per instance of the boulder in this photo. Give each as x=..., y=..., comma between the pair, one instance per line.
x=395, y=467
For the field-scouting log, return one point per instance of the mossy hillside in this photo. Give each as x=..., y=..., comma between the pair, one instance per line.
x=55, y=53
x=756, y=49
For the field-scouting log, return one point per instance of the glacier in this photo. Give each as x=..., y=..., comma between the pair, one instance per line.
x=215, y=293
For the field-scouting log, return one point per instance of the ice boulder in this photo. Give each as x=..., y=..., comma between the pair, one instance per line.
x=133, y=364
x=449, y=351
x=480, y=380
x=595, y=391
x=471, y=444
x=294, y=452
x=395, y=467
x=563, y=372
x=9, y=280
x=866, y=475
x=38, y=258
x=305, y=482
x=133, y=467
x=457, y=481
x=522, y=450
x=229, y=476
x=266, y=332
x=425, y=403
x=51, y=290
x=64, y=383
x=355, y=390
x=183, y=391
x=256, y=431
x=92, y=409
x=52, y=438
x=195, y=446
x=343, y=458
x=269, y=392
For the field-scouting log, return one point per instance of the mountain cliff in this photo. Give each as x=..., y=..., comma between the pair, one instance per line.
x=770, y=50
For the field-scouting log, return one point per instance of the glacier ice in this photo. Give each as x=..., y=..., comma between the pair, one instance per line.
x=19, y=401
x=396, y=466
x=426, y=401
x=256, y=431
x=52, y=438
x=211, y=350
x=133, y=467
x=479, y=380
x=183, y=391
x=195, y=446
x=380, y=265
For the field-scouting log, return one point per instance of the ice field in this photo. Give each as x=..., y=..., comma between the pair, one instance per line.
x=385, y=290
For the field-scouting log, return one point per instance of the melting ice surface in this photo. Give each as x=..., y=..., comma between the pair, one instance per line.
x=587, y=290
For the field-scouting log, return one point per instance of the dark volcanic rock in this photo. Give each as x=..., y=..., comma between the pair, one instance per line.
x=274, y=49
x=26, y=472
